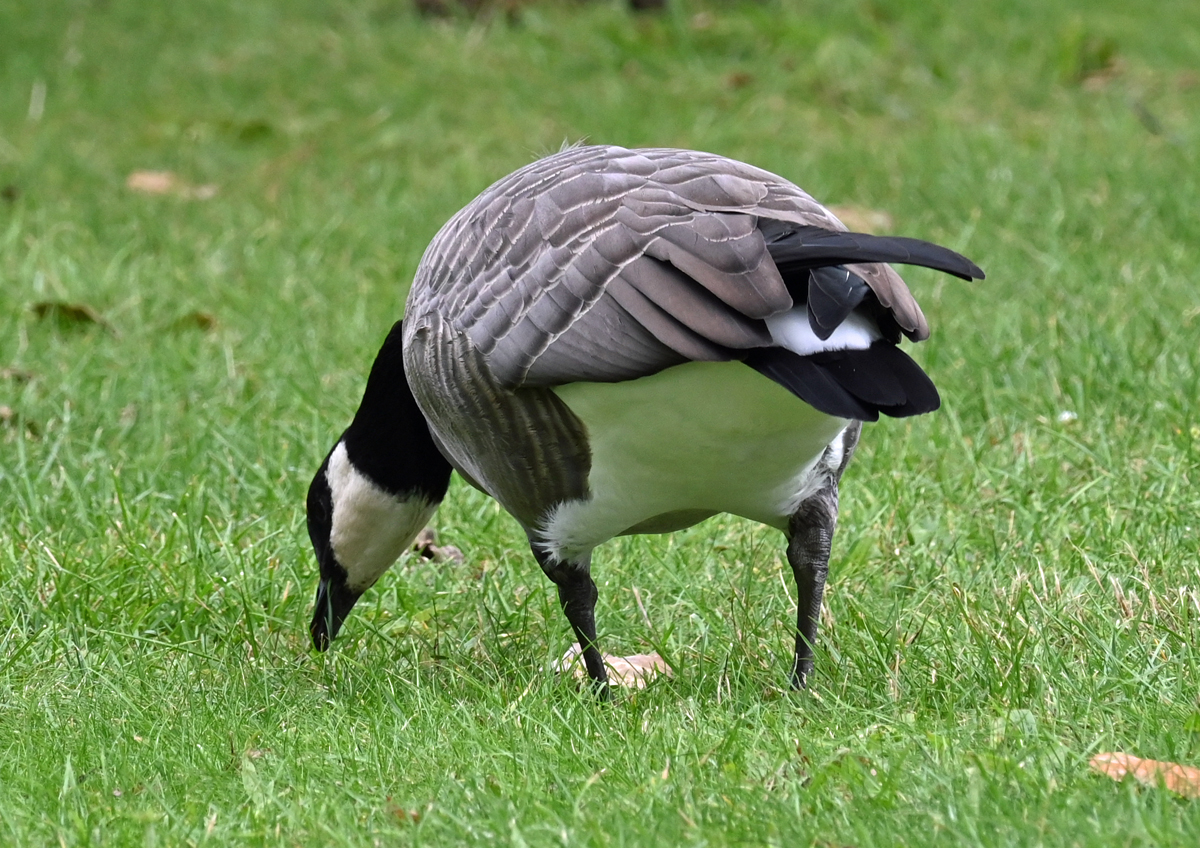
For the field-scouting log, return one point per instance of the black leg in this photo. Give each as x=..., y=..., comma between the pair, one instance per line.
x=811, y=534
x=577, y=594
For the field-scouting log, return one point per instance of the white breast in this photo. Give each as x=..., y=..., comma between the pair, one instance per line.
x=697, y=439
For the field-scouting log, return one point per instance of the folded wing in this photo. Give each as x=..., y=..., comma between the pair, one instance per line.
x=604, y=264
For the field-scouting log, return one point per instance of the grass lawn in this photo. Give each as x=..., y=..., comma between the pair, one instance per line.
x=1016, y=578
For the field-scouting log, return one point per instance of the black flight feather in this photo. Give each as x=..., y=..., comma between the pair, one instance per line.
x=883, y=377
x=808, y=381
x=864, y=375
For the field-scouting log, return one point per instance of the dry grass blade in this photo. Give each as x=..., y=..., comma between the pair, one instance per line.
x=151, y=182
x=1183, y=780
x=167, y=182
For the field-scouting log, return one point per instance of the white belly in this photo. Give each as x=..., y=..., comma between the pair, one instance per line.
x=697, y=439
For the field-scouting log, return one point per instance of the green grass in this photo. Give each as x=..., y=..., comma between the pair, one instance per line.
x=1012, y=590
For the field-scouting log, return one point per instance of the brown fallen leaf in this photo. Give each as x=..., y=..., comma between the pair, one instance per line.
x=862, y=219
x=20, y=375
x=69, y=314
x=739, y=79
x=635, y=671
x=167, y=182
x=195, y=320
x=1183, y=780
x=1106, y=69
x=404, y=814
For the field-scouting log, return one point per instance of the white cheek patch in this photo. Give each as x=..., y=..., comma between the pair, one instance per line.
x=370, y=527
x=791, y=330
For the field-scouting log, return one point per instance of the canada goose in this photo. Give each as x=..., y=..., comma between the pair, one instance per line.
x=613, y=341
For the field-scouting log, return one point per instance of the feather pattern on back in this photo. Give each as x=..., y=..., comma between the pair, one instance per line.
x=601, y=264
x=522, y=268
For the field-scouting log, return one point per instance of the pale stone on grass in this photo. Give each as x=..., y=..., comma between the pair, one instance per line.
x=634, y=672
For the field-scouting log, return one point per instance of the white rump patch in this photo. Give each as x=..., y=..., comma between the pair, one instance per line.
x=370, y=527
x=791, y=330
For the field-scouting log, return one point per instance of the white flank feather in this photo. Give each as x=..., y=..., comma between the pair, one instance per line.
x=692, y=441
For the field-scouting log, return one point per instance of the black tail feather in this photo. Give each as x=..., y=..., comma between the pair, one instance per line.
x=855, y=384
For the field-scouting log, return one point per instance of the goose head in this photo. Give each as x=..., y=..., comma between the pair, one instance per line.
x=375, y=491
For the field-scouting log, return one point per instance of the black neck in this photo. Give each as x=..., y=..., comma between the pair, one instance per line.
x=389, y=440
